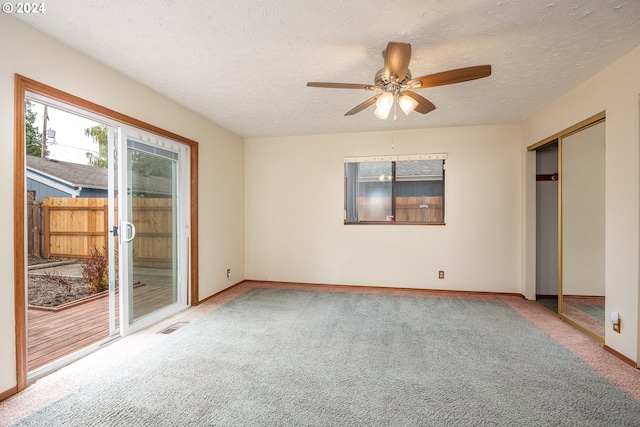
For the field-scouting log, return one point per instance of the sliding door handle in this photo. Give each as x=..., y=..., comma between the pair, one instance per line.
x=128, y=226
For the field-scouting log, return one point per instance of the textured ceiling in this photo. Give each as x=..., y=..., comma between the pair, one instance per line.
x=244, y=64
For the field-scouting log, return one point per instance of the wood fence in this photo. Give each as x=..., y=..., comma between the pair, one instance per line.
x=153, y=245
x=74, y=227
x=408, y=209
x=34, y=225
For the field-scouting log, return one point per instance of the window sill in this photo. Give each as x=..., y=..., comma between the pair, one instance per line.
x=393, y=223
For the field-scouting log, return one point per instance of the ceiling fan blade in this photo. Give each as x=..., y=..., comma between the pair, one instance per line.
x=396, y=60
x=451, y=76
x=362, y=106
x=424, y=105
x=342, y=85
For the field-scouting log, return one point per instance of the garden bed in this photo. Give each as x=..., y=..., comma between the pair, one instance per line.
x=44, y=291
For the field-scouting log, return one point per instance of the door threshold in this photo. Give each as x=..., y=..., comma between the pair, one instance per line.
x=47, y=369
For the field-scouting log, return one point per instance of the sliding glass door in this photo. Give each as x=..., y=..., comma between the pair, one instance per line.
x=85, y=182
x=154, y=211
x=71, y=283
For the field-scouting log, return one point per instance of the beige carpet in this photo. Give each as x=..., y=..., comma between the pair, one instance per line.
x=73, y=376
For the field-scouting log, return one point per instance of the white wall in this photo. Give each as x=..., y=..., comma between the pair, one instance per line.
x=614, y=89
x=32, y=54
x=294, y=189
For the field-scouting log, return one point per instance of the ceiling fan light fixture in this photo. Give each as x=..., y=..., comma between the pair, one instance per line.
x=383, y=105
x=382, y=115
x=394, y=83
x=407, y=103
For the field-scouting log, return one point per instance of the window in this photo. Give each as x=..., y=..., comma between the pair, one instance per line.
x=395, y=189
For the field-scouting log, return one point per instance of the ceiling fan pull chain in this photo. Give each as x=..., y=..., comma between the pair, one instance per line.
x=393, y=127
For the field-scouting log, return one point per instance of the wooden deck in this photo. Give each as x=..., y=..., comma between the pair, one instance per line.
x=55, y=334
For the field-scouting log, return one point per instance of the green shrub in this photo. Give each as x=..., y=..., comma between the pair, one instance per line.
x=96, y=271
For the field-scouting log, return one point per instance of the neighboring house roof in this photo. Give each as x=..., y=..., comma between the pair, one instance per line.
x=78, y=177
x=72, y=173
x=418, y=170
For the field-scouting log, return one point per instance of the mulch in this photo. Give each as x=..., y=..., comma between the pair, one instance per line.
x=54, y=290
x=46, y=292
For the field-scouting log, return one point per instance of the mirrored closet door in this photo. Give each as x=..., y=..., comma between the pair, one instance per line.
x=570, y=225
x=582, y=227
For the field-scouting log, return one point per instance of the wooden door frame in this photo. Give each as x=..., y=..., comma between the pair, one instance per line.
x=22, y=86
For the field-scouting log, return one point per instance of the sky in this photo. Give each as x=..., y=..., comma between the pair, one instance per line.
x=70, y=143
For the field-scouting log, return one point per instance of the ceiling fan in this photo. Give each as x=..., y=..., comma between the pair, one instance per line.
x=395, y=84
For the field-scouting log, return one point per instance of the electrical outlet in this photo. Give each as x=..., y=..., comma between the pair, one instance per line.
x=441, y=274
x=615, y=319
x=228, y=274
